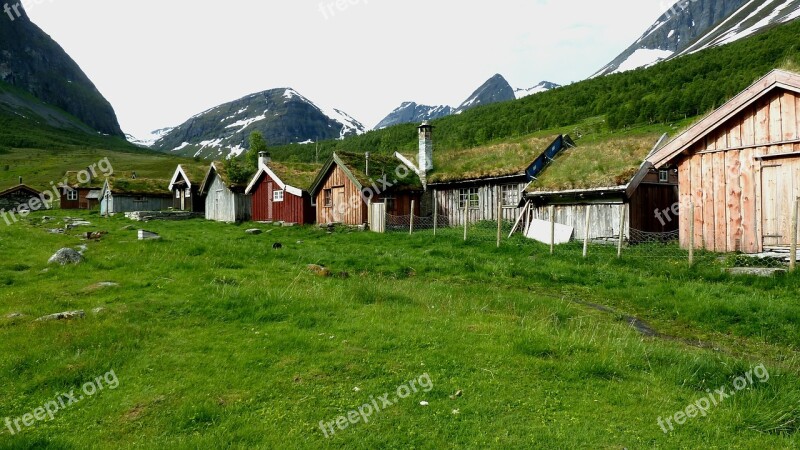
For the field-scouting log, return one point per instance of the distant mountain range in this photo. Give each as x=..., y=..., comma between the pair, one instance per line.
x=41, y=84
x=282, y=115
x=494, y=90
x=690, y=26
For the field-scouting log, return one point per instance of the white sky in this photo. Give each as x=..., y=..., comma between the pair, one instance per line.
x=160, y=62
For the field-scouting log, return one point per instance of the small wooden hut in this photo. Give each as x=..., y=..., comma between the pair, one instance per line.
x=279, y=192
x=226, y=200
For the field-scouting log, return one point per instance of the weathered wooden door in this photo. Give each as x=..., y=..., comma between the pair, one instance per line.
x=270, y=201
x=378, y=218
x=339, y=205
x=780, y=187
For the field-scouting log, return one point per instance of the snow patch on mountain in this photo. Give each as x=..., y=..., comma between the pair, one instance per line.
x=644, y=57
x=149, y=139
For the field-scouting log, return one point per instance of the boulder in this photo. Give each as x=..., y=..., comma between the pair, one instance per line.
x=66, y=256
x=254, y=231
x=67, y=315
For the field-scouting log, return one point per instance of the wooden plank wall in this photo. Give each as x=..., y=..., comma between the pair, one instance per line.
x=448, y=200
x=231, y=207
x=722, y=174
x=604, y=220
x=292, y=209
x=355, y=210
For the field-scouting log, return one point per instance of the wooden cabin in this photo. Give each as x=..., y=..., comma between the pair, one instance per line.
x=610, y=177
x=185, y=188
x=279, y=192
x=226, y=200
x=479, y=177
x=348, y=183
x=129, y=194
x=80, y=190
x=739, y=167
x=19, y=197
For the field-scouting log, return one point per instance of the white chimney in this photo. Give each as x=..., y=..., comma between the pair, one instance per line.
x=264, y=159
x=425, y=160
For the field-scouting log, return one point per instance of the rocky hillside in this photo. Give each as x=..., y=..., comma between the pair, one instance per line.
x=283, y=116
x=495, y=90
x=691, y=26
x=410, y=112
x=33, y=63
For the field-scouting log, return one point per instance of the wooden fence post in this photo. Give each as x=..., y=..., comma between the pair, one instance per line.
x=435, y=212
x=586, y=232
x=793, y=251
x=552, y=229
x=499, y=215
x=691, y=233
x=466, y=217
x=621, y=231
x=411, y=224
x=370, y=219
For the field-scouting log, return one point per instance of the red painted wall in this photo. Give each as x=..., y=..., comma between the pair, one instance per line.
x=292, y=209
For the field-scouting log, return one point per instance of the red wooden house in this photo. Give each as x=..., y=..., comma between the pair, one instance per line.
x=279, y=192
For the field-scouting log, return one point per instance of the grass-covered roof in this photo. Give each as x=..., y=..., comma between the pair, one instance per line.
x=138, y=186
x=73, y=182
x=299, y=175
x=605, y=162
x=195, y=172
x=489, y=161
x=401, y=177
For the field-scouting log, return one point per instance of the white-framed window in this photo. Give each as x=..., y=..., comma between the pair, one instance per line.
x=510, y=195
x=72, y=195
x=177, y=193
x=188, y=193
x=471, y=195
x=663, y=176
x=277, y=196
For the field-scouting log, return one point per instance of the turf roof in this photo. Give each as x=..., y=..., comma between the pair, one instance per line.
x=380, y=165
x=608, y=162
x=299, y=175
x=138, y=186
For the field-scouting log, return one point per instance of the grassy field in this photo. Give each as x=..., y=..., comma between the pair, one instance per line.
x=217, y=340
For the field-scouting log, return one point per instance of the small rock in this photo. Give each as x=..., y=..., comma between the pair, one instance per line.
x=82, y=249
x=14, y=316
x=66, y=256
x=458, y=393
x=319, y=270
x=424, y=403
x=299, y=242
x=67, y=315
x=102, y=285
x=94, y=235
x=56, y=231
x=456, y=412
x=254, y=231
x=148, y=236
x=356, y=389
x=98, y=310
x=289, y=224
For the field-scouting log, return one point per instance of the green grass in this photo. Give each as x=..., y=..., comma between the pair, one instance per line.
x=219, y=341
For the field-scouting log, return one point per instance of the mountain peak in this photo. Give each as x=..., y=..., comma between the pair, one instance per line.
x=494, y=90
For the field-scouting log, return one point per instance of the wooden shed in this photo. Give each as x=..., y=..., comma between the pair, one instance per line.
x=128, y=194
x=185, y=188
x=349, y=182
x=279, y=192
x=606, y=178
x=482, y=176
x=739, y=169
x=80, y=193
x=225, y=200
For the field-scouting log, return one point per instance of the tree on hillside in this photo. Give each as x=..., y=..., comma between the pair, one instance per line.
x=257, y=145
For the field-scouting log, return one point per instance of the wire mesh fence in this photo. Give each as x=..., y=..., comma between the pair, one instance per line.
x=635, y=245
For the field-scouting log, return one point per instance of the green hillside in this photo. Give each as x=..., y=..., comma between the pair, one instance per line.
x=671, y=91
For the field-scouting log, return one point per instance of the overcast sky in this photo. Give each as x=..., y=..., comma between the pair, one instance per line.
x=160, y=62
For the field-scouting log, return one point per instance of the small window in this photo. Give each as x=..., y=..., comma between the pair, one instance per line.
x=327, y=198
x=177, y=193
x=472, y=195
x=277, y=196
x=72, y=195
x=138, y=199
x=391, y=204
x=510, y=194
x=663, y=176
x=188, y=193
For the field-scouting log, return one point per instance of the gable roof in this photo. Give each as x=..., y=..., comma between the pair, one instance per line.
x=192, y=173
x=72, y=181
x=20, y=187
x=607, y=164
x=136, y=186
x=401, y=177
x=777, y=79
x=292, y=177
x=218, y=168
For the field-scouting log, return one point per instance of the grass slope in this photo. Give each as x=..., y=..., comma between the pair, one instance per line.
x=219, y=341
